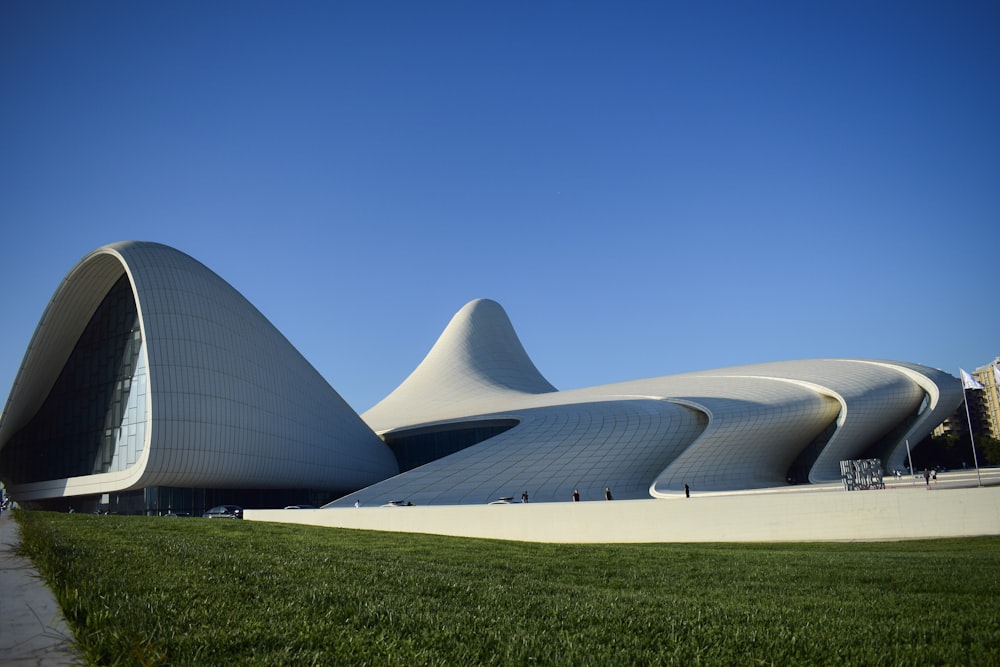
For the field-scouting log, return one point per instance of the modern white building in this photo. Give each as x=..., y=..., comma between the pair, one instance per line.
x=476, y=422
x=989, y=397
x=152, y=385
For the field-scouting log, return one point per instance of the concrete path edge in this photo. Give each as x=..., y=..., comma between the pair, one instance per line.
x=33, y=630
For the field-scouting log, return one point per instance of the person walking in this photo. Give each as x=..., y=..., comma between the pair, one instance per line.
x=607, y=493
x=687, y=491
x=576, y=495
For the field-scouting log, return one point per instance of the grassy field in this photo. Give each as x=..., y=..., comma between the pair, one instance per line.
x=149, y=591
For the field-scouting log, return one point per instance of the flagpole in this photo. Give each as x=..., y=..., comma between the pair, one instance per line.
x=975, y=459
x=910, y=459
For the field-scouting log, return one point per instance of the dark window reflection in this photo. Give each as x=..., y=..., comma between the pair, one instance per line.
x=75, y=431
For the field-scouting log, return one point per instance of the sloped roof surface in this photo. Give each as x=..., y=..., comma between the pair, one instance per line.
x=724, y=429
x=227, y=401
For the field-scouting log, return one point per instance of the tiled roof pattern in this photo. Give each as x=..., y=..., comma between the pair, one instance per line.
x=730, y=428
x=231, y=403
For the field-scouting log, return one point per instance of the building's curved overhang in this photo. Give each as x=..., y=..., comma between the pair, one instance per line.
x=67, y=315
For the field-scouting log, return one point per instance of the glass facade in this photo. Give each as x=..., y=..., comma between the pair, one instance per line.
x=415, y=447
x=94, y=418
x=163, y=500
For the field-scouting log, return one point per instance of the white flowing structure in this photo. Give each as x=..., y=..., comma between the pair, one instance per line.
x=148, y=371
x=729, y=429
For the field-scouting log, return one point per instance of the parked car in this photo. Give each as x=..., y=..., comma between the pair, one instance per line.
x=301, y=507
x=224, y=512
x=398, y=503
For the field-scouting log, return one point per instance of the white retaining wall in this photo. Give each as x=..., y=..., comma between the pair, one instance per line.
x=906, y=513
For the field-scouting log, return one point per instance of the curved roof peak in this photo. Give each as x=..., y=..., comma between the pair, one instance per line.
x=480, y=344
x=477, y=354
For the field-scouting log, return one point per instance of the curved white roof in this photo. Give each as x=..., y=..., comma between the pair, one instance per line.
x=209, y=394
x=219, y=398
x=733, y=428
x=477, y=361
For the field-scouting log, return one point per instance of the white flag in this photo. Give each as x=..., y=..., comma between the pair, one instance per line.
x=969, y=382
x=996, y=376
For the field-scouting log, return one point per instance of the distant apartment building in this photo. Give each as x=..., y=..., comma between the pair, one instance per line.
x=984, y=406
x=989, y=398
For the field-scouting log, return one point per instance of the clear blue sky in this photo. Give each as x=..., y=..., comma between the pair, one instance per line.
x=647, y=188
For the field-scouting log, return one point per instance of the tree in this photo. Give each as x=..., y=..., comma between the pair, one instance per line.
x=988, y=450
x=952, y=451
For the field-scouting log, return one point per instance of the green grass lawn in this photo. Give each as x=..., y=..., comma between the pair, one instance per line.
x=178, y=591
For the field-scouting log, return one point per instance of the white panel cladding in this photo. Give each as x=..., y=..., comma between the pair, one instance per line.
x=224, y=401
x=757, y=429
x=229, y=402
x=233, y=403
x=477, y=358
x=876, y=403
x=760, y=418
x=622, y=444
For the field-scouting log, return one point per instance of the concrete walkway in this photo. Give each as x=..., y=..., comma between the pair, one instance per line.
x=32, y=628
